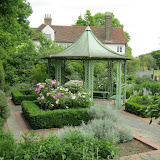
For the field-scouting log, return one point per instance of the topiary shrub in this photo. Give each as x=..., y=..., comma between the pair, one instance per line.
x=23, y=94
x=4, y=106
x=2, y=76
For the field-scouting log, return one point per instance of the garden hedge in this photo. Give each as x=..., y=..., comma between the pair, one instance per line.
x=4, y=106
x=135, y=108
x=41, y=119
x=23, y=94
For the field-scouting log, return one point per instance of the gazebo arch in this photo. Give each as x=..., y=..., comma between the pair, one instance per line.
x=88, y=48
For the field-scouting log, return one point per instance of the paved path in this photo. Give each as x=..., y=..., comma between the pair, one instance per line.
x=138, y=126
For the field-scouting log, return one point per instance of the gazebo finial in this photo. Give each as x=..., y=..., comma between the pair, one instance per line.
x=87, y=28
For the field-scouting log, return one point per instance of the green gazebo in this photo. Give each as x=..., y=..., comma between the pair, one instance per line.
x=88, y=48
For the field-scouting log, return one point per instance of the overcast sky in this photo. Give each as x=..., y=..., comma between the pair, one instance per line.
x=141, y=18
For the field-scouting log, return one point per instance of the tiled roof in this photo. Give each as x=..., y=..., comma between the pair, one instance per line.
x=69, y=34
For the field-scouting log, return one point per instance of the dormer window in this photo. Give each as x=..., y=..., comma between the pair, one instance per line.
x=48, y=36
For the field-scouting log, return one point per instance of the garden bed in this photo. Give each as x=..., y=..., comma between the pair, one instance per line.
x=134, y=147
x=134, y=105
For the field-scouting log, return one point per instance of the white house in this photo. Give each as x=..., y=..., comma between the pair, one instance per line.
x=112, y=37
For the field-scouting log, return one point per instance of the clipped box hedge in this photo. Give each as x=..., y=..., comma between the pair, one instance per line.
x=135, y=108
x=40, y=119
x=23, y=94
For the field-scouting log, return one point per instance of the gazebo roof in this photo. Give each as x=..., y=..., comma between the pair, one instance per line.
x=87, y=47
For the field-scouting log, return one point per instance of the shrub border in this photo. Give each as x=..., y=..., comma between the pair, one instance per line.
x=40, y=119
x=18, y=97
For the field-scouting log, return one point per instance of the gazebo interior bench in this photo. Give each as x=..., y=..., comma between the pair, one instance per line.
x=104, y=93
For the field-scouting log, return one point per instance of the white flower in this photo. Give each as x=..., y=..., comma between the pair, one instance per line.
x=66, y=89
x=67, y=107
x=73, y=96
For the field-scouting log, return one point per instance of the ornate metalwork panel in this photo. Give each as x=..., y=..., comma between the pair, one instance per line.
x=125, y=80
x=58, y=65
x=89, y=75
x=118, y=86
x=110, y=78
x=49, y=65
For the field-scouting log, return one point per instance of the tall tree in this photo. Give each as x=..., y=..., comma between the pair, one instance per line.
x=87, y=21
x=80, y=22
x=14, y=26
x=100, y=20
x=147, y=60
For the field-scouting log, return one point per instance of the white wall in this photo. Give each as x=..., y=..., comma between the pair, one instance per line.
x=114, y=47
x=36, y=42
x=65, y=44
x=49, y=30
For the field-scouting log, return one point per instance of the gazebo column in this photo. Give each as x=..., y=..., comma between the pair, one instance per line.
x=118, y=86
x=125, y=79
x=110, y=78
x=58, y=66
x=89, y=75
x=49, y=66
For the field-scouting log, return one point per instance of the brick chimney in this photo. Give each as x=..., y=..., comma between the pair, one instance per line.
x=108, y=22
x=48, y=19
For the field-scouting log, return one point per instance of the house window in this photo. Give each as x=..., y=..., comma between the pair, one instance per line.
x=117, y=48
x=48, y=36
x=120, y=48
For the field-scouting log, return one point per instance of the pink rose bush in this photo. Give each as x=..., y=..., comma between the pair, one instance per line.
x=51, y=95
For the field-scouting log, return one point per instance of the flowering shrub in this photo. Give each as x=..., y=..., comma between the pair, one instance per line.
x=74, y=85
x=52, y=96
x=83, y=96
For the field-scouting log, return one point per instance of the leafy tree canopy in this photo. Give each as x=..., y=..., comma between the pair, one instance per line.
x=14, y=26
x=99, y=20
x=151, y=60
